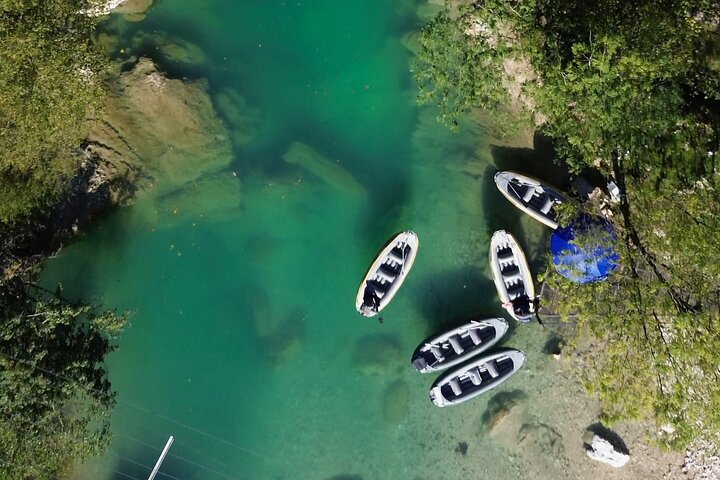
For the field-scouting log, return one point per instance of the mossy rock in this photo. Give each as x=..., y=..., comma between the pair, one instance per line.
x=329, y=171
x=242, y=120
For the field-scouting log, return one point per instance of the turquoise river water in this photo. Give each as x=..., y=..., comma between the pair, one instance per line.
x=244, y=342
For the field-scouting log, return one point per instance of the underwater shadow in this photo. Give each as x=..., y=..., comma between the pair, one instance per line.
x=386, y=215
x=538, y=162
x=456, y=296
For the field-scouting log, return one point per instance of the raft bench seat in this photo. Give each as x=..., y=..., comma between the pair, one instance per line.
x=509, y=269
x=490, y=366
x=474, y=376
x=547, y=205
x=456, y=345
x=475, y=335
x=389, y=269
x=435, y=350
x=511, y=279
x=504, y=252
x=517, y=289
x=529, y=193
x=455, y=385
x=384, y=276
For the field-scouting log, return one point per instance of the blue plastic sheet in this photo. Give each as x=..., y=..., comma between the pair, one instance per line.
x=584, y=251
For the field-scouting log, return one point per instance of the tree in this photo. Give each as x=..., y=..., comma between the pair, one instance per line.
x=460, y=66
x=50, y=81
x=55, y=399
x=632, y=89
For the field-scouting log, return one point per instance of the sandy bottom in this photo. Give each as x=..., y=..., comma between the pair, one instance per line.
x=540, y=436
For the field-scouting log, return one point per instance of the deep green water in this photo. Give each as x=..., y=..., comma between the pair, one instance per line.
x=244, y=342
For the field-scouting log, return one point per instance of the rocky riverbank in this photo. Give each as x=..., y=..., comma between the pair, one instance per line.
x=154, y=131
x=133, y=10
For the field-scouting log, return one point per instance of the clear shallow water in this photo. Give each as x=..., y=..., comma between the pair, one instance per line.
x=244, y=343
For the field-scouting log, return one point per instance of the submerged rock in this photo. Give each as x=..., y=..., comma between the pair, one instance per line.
x=261, y=312
x=542, y=446
x=160, y=133
x=133, y=10
x=411, y=41
x=215, y=196
x=377, y=354
x=395, y=402
x=426, y=11
x=260, y=248
x=244, y=121
x=505, y=414
x=506, y=419
x=542, y=439
x=169, y=51
x=321, y=167
x=286, y=339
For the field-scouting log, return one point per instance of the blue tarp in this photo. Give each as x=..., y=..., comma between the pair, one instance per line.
x=588, y=258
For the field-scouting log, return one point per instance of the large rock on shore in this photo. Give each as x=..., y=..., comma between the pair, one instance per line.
x=602, y=450
x=133, y=10
x=160, y=133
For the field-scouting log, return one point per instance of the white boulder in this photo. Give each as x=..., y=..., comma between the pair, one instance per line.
x=104, y=9
x=601, y=450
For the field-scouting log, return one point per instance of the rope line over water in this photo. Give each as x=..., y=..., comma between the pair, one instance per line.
x=177, y=443
x=2, y=460
x=146, y=467
x=182, y=459
x=137, y=407
x=53, y=430
x=151, y=447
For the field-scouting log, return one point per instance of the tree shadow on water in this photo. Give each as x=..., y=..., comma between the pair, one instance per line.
x=500, y=214
x=538, y=161
x=386, y=215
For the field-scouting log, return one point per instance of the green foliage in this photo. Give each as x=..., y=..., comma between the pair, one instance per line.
x=631, y=88
x=55, y=399
x=49, y=83
x=611, y=75
x=458, y=71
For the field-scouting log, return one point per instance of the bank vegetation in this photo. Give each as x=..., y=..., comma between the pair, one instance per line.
x=55, y=399
x=630, y=90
